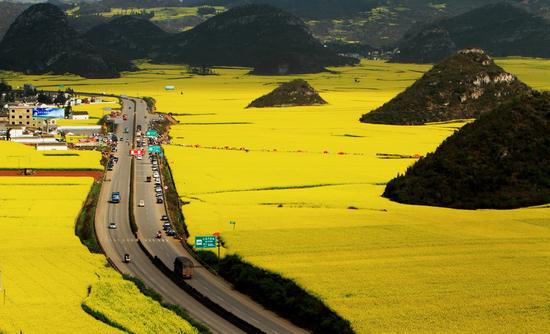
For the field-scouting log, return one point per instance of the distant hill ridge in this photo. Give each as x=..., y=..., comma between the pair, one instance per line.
x=41, y=41
x=501, y=161
x=263, y=37
x=500, y=29
x=463, y=86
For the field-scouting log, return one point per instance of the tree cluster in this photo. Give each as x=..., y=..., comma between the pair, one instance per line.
x=501, y=161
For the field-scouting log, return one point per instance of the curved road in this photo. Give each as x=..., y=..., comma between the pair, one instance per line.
x=121, y=240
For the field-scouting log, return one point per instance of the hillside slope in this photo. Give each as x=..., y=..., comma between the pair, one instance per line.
x=293, y=93
x=40, y=41
x=463, y=86
x=129, y=36
x=260, y=36
x=501, y=29
x=501, y=161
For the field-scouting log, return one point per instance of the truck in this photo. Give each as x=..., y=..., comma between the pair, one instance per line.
x=183, y=267
x=115, y=197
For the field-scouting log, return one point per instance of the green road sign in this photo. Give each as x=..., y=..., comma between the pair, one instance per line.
x=154, y=149
x=151, y=133
x=206, y=242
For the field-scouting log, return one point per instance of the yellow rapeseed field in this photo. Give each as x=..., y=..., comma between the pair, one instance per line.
x=46, y=271
x=123, y=304
x=303, y=186
x=18, y=156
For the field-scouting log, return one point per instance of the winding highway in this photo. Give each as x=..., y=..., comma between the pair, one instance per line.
x=120, y=241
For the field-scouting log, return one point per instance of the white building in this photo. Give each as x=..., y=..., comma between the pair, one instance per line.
x=80, y=115
x=21, y=114
x=51, y=146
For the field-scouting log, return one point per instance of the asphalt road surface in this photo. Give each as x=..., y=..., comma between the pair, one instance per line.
x=120, y=241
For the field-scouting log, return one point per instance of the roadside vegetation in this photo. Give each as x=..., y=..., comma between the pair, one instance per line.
x=84, y=227
x=145, y=290
x=121, y=304
x=279, y=294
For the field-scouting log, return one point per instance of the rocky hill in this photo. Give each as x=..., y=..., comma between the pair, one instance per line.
x=41, y=41
x=129, y=36
x=463, y=86
x=501, y=161
x=501, y=29
x=260, y=36
x=289, y=94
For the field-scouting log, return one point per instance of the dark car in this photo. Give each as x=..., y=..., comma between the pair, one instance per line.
x=170, y=232
x=166, y=226
x=148, y=179
x=160, y=200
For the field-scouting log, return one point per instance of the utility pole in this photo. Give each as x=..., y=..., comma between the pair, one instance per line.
x=219, y=246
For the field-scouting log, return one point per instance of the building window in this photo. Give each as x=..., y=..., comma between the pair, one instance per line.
x=12, y=110
x=28, y=116
x=20, y=116
x=27, y=123
x=12, y=116
x=20, y=123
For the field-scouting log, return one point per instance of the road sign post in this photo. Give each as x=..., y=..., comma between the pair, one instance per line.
x=218, y=242
x=151, y=133
x=205, y=242
x=154, y=149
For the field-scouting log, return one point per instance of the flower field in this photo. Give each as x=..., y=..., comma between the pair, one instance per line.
x=123, y=304
x=303, y=186
x=46, y=271
x=18, y=156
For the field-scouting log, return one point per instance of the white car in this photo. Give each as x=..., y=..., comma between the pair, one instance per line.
x=156, y=174
x=112, y=226
x=141, y=203
x=139, y=157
